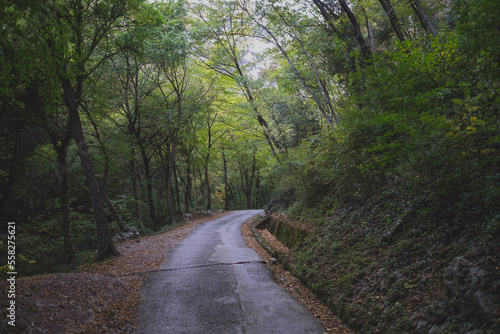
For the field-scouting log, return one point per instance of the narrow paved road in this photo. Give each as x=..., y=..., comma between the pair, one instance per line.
x=214, y=283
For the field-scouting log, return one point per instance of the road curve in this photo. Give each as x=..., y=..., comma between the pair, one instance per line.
x=212, y=282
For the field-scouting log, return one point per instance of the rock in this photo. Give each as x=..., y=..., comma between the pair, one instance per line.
x=486, y=302
x=434, y=330
x=262, y=215
x=187, y=215
x=131, y=230
x=221, y=211
x=430, y=317
x=207, y=213
x=126, y=234
x=386, y=237
x=450, y=276
x=477, y=273
x=422, y=326
x=273, y=260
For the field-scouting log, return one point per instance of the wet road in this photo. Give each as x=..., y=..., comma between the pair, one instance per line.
x=212, y=282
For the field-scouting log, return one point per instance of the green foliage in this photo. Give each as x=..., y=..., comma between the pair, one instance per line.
x=414, y=165
x=417, y=128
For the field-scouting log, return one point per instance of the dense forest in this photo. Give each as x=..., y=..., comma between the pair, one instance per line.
x=378, y=121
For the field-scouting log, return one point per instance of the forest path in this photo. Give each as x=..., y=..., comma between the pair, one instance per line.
x=212, y=282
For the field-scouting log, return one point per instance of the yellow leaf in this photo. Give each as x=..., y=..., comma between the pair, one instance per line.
x=473, y=118
x=449, y=134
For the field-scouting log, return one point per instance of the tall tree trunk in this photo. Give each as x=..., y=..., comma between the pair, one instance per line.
x=207, y=185
x=177, y=192
x=233, y=197
x=173, y=151
x=257, y=192
x=105, y=246
x=136, y=193
x=149, y=185
x=112, y=210
x=365, y=49
x=393, y=19
x=202, y=186
x=371, y=40
x=188, y=186
x=226, y=194
x=169, y=195
x=62, y=169
x=247, y=178
x=424, y=20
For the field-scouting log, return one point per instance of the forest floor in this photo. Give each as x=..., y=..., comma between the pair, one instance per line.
x=104, y=297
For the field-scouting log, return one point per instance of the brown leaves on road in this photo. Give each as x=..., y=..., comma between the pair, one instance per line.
x=97, y=297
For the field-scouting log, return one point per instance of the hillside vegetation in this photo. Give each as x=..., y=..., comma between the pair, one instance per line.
x=406, y=191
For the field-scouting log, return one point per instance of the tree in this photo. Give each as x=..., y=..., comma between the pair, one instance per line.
x=224, y=27
x=328, y=11
x=77, y=44
x=393, y=19
x=170, y=59
x=284, y=26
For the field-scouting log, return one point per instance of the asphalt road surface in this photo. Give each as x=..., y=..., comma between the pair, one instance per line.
x=212, y=282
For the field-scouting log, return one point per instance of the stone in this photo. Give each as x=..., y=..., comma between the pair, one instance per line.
x=126, y=234
x=422, y=326
x=486, y=302
x=386, y=237
x=477, y=273
x=187, y=215
x=434, y=330
x=450, y=276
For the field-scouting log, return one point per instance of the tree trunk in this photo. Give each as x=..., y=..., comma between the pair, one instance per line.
x=177, y=191
x=365, y=49
x=202, y=186
x=371, y=40
x=169, y=195
x=424, y=20
x=233, y=197
x=105, y=246
x=393, y=19
x=226, y=194
x=136, y=193
x=62, y=169
x=112, y=210
x=207, y=185
x=149, y=185
x=188, y=187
